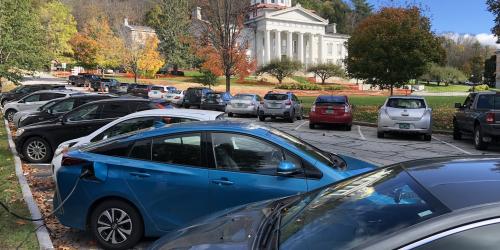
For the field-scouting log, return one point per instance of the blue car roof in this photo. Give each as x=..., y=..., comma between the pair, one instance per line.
x=219, y=125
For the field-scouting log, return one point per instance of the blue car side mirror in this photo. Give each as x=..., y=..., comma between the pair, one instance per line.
x=287, y=168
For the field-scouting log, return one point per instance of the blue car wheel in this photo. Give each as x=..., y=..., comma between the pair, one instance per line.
x=116, y=225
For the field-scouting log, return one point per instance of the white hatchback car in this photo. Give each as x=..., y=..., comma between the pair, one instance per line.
x=405, y=114
x=159, y=92
x=136, y=121
x=35, y=101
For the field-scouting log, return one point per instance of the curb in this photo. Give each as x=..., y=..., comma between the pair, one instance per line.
x=42, y=234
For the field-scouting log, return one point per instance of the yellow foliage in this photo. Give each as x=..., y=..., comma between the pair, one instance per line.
x=150, y=60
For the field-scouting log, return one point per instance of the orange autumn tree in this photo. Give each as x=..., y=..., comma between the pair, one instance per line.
x=212, y=61
x=150, y=60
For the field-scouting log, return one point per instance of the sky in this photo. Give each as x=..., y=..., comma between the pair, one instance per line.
x=455, y=16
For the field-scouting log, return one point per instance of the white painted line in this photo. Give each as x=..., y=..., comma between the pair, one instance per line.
x=453, y=146
x=302, y=124
x=361, y=133
x=42, y=234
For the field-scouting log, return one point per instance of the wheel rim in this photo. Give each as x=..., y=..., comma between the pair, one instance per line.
x=10, y=116
x=114, y=225
x=477, y=137
x=36, y=150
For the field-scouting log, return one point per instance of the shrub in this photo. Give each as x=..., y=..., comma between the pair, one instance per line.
x=481, y=87
x=299, y=86
x=207, y=78
x=281, y=69
x=334, y=87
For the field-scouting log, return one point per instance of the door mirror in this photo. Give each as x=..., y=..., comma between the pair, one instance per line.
x=458, y=105
x=61, y=119
x=338, y=162
x=286, y=168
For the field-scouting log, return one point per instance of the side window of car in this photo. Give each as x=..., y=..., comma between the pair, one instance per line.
x=141, y=106
x=63, y=106
x=113, y=110
x=89, y=112
x=483, y=237
x=141, y=150
x=161, y=121
x=117, y=149
x=468, y=101
x=243, y=153
x=50, y=96
x=126, y=127
x=32, y=98
x=179, y=149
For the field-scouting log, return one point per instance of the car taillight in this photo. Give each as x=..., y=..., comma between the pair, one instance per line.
x=313, y=108
x=288, y=102
x=70, y=161
x=490, y=117
x=347, y=108
x=177, y=97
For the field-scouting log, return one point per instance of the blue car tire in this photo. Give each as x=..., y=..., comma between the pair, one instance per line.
x=116, y=224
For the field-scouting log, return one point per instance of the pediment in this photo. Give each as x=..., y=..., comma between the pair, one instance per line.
x=297, y=14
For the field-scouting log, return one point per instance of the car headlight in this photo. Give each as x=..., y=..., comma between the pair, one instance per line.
x=19, y=132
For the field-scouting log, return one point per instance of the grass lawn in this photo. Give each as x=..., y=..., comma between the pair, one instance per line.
x=450, y=88
x=12, y=231
x=366, y=108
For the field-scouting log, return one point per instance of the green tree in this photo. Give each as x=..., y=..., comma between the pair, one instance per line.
x=208, y=78
x=494, y=8
x=391, y=47
x=327, y=70
x=281, y=69
x=21, y=46
x=336, y=11
x=477, y=69
x=361, y=9
x=171, y=21
x=60, y=27
x=490, y=67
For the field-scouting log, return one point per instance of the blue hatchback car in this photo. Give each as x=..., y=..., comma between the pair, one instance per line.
x=151, y=182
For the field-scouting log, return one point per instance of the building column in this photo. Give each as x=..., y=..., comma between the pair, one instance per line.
x=267, y=45
x=300, y=48
x=277, y=36
x=321, y=50
x=289, y=45
x=311, y=50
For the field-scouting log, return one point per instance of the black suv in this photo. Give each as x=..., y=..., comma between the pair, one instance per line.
x=84, y=80
x=479, y=116
x=193, y=96
x=36, y=143
x=25, y=90
x=57, y=108
x=139, y=90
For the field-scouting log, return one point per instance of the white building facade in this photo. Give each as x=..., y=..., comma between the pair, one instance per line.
x=277, y=30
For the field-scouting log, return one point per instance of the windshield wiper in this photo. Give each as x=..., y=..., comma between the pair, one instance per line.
x=270, y=223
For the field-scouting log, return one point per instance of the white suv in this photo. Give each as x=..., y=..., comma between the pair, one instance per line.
x=34, y=101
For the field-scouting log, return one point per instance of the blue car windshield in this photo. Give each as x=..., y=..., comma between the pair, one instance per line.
x=353, y=212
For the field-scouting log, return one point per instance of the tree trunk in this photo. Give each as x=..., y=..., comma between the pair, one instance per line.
x=392, y=89
x=135, y=76
x=228, y=83
x=1, y=84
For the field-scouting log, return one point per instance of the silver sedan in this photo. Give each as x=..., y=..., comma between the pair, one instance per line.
x=405, y=114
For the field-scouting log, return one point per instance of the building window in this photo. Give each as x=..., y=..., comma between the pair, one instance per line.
x=330, y=49
x=339, y=50
x=283, y=46
x=330, y=61
x=295, y=47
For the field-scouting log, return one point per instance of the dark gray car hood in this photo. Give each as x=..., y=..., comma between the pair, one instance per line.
x=230, y=229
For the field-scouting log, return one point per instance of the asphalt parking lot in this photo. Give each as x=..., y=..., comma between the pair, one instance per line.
x=362, y=142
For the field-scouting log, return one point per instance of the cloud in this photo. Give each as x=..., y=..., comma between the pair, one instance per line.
x=483, y=38
x=487, y=39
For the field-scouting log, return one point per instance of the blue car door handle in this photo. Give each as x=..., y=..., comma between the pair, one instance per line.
x=223, y=181
x=138, y=174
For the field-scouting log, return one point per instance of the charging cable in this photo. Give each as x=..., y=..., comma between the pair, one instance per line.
x=54, y=210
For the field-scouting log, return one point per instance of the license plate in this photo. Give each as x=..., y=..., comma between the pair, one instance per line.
x=329, y=111
x=404, y=126
x=155, y=92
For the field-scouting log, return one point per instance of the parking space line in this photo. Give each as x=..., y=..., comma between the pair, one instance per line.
x=302, y=124
x=453, y=146
x=361, y=133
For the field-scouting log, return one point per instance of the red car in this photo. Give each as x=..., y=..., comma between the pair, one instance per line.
x=330, y=109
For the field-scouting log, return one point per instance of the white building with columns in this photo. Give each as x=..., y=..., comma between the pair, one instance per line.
x=278, y=30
